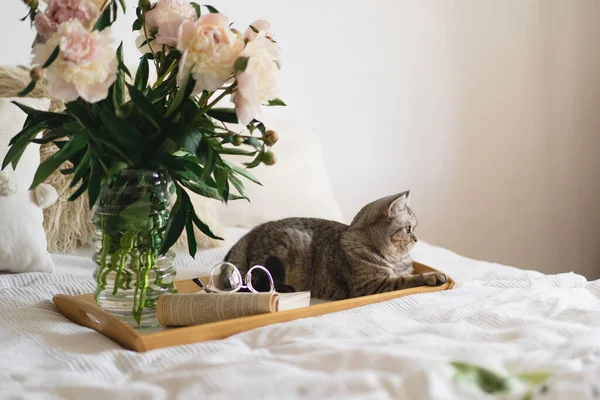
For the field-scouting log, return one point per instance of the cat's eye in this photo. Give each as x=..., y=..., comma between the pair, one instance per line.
x=408, y=230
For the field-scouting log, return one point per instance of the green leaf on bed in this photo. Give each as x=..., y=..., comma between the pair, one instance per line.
x=533, y=378
x=483, y=378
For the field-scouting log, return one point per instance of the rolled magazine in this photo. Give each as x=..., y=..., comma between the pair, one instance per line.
x=202, y=308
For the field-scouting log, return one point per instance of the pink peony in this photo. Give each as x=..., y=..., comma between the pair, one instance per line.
x=59, y=11
x=209, y=49
x=259, y=82
x=86, y=66
x=167, y=16
x=261, y=25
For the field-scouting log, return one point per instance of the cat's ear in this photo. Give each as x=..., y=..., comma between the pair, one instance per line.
x=397, y=204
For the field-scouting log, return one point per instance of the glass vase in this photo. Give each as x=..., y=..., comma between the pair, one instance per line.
x=130, y=220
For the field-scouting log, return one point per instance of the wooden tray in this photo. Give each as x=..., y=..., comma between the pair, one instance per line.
x=83, y=310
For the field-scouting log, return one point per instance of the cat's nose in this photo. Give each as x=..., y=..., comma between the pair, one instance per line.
x=414, y=238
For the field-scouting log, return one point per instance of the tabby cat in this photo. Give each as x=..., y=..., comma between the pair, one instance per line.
x=337, y=261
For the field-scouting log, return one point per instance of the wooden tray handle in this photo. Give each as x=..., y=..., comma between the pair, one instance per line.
x=89, y=315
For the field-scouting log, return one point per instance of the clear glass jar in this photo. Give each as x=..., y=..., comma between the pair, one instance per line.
x=130, y=220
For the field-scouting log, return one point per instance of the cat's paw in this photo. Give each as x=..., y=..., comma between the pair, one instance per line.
x=434, y=278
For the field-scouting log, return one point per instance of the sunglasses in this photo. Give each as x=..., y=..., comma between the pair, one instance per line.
x=227, y=278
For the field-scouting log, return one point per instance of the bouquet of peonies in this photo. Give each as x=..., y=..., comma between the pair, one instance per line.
x=116, y=122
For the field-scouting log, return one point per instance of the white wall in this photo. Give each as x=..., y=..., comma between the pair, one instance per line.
x=487, y=110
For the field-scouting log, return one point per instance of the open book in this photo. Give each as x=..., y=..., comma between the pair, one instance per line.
x=202, y=308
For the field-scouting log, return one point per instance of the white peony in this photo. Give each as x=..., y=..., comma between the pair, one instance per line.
x=209, y=50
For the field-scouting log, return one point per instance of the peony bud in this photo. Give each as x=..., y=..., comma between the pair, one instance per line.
x=271, y=137
x=36, y=74
x=268, y=158
x=238, y=140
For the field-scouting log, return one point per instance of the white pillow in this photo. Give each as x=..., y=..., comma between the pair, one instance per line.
x=22, y=237
x=296, y=186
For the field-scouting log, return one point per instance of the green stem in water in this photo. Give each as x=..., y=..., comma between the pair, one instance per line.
x=124, y=253
x=144, y=289
x=101, y=274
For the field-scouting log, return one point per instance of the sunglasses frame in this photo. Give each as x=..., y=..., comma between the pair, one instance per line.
x=245, y=282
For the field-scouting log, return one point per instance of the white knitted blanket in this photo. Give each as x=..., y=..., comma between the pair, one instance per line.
x=502, y=318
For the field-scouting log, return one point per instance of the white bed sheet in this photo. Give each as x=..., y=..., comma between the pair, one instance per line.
x=500, y=317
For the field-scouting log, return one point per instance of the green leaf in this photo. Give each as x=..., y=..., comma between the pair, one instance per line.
x=80, y=190
x=141, y=76
x=239, y=186
x=197, y=8
x=204, y=228
x=82, y=169
x=276, y=102
x=116, y=168
x=136, y=215
x=486, y=380
x=104, y=20
x=243, y=172
x=112, y=148
x=203, y=189
x=41, y=121
x=67, y=171
x=241, y=64
x=118, y=91
x=144, y=106
x=23, y=139
x=256, y=162
x=51, y=164
x=191, y=238
x=211, y=9
x=254, y=142
x=177, y=222
x=209, y=166
x=52, y=57
x=533, y=378
x=262, y=128
x=115, y=10
x=121, y=60
x=80, y=112
x=27, y=89
x=223, y=114
x=254, y=29
x=159, y=93
x=123, y=6
x=94, y=184
x=187, y=166
x=237, y=152
x=120, y=130
x=220, y=175
x=183, y=93
x=32, y=112
x=138, y=24
x=188, y=138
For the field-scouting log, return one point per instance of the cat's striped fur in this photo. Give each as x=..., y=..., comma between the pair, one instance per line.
x=336, y=261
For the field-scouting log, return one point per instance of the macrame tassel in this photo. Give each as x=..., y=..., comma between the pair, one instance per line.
x=45, y=195
x=9, y=184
